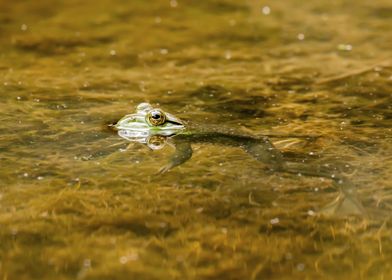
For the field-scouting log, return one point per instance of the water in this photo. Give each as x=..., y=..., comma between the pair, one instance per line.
x=75, y=204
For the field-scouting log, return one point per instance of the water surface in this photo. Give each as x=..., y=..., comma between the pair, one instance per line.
x=75, y=204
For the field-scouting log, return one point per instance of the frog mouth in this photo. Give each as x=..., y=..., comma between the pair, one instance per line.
x=173, y=120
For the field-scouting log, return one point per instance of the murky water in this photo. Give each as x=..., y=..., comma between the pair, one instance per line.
x=75, y=204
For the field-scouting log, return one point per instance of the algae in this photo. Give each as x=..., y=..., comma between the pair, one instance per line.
x=291, y=67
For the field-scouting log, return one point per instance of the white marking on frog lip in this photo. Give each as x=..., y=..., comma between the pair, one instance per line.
x=126, y=133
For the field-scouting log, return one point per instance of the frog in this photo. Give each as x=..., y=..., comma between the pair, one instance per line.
x=156, y=128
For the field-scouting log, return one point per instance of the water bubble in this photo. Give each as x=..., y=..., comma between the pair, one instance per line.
x=112, y=52
x=164, y=51
x=301, y=36
x=23, y=27
x=311, y=213
x=173, y=3
x=345, y=47
x=158, y=20
x=300, y=267
x=266, y=10
x=44, y=214
x=130, y=257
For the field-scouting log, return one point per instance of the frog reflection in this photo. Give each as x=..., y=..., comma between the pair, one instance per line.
x=156, y=128
x=154, y=142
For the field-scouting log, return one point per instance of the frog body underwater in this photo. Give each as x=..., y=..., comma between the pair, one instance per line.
x=155, y=128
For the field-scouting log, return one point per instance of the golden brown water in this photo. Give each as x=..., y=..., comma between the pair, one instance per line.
x=303, y=67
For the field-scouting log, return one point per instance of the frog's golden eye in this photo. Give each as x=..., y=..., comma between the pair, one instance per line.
x=156, y=117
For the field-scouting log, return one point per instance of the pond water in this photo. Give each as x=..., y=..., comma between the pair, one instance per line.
x=77, y=202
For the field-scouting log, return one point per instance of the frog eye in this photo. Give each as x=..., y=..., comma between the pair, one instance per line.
x=156, y=117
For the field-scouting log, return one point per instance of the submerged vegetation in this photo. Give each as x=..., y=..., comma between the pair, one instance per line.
x=77, y=201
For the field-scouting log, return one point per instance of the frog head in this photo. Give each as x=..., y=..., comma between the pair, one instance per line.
x=149, y=121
